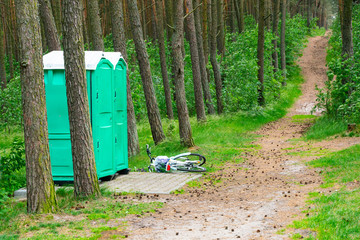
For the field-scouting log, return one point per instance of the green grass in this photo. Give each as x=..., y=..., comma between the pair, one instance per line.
x=336, y=215
x=326, y=127
x=7, y=136
x=340, y=167
x=79, y=217
x=222, y=138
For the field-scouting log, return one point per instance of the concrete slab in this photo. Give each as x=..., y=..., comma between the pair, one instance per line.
x=144, y=182
x=147, y=182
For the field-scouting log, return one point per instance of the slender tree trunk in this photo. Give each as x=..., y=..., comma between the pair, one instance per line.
x=144, y=64
x=195, y=62
x=8, y=31
x=239, y=8
x=3, y=80
x=230, y=15
x=214, y=62
x=260, y=52
x=41, y=196
x=52, y=37
x=183, y=114
x=220, y=26
x=56, y=10
x=164, y=72
x=119, y=40
x=308, y=14
x=202, y=61
x=95, y=25
x=169, y=19
x=345, y=10
x=82, y=148
x=143, y=17
x=276, y=6
x=282, y=40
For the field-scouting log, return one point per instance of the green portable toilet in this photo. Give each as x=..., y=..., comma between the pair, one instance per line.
x=106, y=87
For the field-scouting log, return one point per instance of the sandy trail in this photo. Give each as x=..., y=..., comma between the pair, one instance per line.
x=259, y=202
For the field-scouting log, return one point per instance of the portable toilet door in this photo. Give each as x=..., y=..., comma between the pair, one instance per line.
x=120, y=116
x=102, y=117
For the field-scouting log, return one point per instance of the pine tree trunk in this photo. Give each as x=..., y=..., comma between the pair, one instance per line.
x=52, y=37
x=308, y=14
x=169, y=19
x=195, y=62
x=220, y=26
x=214, y=62
x=202, y=60
x=3, y=80
x=143, y=16
x=282, y=40
x=276, y=6
x=56, y=10
x=164, y=72
x=119, y=40
x=260, y=52
x=144, y=64
x=183, y=114
x=85, y=176
x=95, y=25
x=239, y=9
x=9, y=44
x=345, y=9
x=41, y=196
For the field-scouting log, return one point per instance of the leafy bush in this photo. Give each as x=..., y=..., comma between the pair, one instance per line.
x=12, y=166
x=341, y=95
x=10, y=104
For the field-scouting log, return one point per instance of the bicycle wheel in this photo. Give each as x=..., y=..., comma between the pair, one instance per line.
x=197, y=158
x=191, y=169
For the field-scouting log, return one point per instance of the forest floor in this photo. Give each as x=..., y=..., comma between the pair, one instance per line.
x=260, y=197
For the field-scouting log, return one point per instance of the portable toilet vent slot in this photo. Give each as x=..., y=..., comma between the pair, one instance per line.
x=106, y=88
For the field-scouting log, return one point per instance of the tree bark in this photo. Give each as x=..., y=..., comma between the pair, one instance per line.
x=308, y=14
x=239, y=9
x=282, y=40
x=144, y=64
x=202, y=61
x=276, y=6
x=220, y=26
x=85, y=176
x=260, y=52
x=8, y=29
x=345, y=10
x=94, y=25
x=169, y=19
x=214, y=62
x=119, y=40
x=3, y=80
x=56, y=11
x=52, y=37
x=195, y=62
x=164, y=72
x=183, y=114
x=41, y=196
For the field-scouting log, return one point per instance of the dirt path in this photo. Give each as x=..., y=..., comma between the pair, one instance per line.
x=259, y=202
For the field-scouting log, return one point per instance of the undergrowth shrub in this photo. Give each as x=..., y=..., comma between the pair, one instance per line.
x=341, y=95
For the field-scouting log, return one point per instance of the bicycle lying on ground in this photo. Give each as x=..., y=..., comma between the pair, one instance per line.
x=189, y=162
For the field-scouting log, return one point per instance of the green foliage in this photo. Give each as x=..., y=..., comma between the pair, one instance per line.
x=10, y=104
x=335, y=215
x=341, y=95
x=12, y=167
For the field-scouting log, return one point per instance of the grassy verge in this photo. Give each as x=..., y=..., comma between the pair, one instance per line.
x=336, y=215
x=326, y=127
x=78, y=219
x=222, y=138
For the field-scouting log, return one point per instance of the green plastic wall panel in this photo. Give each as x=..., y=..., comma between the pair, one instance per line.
x=106, y=88
x=120, y=119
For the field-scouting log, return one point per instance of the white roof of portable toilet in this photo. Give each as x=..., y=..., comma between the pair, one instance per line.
x=55, y=59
